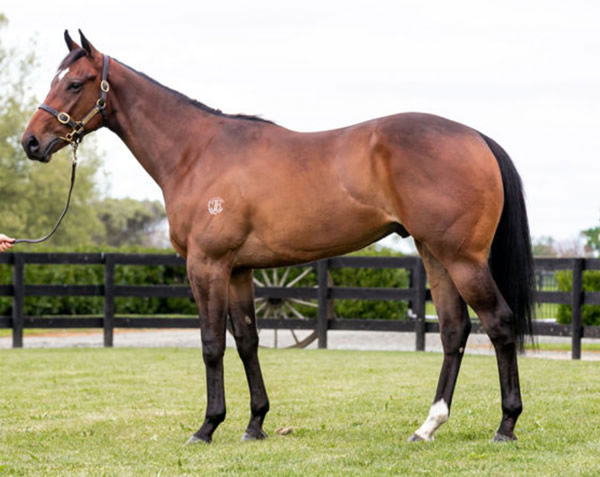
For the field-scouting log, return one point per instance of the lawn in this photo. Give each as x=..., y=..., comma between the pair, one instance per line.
x=129, y=412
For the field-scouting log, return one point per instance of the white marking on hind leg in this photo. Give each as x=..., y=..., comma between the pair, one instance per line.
x=438, y=414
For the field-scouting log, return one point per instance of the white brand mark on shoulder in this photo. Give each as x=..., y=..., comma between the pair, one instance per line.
x=215, y=206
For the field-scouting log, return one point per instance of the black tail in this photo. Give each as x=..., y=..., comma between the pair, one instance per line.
x=511, y=260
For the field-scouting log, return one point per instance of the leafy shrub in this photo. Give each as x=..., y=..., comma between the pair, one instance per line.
x=94, y=275
x=590, y=314
x=369, y=277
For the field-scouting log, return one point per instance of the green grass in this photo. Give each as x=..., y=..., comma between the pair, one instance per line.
x=540, y=310
x=129, y=411
x=594, y=347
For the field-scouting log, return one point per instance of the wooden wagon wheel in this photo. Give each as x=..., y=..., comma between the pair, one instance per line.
x=287, y=308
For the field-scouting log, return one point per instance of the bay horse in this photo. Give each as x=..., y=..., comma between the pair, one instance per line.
x=243, y=193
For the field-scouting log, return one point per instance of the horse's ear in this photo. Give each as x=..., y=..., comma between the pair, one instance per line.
x=87, y=46
x=70, y=43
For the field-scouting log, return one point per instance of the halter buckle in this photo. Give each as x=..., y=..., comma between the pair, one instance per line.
x=63, y=118
x=104, y=86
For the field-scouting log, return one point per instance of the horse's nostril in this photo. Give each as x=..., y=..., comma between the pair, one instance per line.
x=32, y=144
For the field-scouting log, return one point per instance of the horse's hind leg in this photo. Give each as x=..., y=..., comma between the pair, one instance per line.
x=477, y=286
x=454, y=328
x=243, y=321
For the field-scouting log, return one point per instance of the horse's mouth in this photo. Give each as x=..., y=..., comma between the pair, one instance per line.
x=51, y=149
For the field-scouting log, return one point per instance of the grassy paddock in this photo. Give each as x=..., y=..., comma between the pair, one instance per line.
x=129, y=411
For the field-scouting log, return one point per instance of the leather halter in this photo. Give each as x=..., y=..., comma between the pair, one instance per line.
x=77, y=127
x=74, y=138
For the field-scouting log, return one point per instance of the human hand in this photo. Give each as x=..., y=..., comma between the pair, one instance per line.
x=6, y=242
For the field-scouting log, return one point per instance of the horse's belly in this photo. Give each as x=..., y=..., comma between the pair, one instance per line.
x=300, y=239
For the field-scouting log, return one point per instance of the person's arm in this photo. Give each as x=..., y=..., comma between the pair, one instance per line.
x=6, y=242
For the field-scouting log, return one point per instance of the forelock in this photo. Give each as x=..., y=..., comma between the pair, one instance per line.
x=71, y=58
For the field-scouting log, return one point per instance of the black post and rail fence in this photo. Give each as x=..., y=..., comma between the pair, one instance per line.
x=416, y=294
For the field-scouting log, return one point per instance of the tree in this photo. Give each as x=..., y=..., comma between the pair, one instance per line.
x=549, y=247
x=592, y=239
x=33, y=195
x=132, y=222
x=590, y=314
x=543, y=247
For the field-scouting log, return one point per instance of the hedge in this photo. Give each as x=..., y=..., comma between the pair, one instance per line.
x=169, y=275
x=368, y=277
x=94, y=275
x=590, y=314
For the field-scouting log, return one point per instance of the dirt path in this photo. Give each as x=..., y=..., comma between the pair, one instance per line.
x=357, y=340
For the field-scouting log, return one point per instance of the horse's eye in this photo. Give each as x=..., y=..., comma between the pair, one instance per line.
x=75, y=86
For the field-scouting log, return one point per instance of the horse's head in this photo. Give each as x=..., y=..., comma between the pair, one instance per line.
x=75, y=105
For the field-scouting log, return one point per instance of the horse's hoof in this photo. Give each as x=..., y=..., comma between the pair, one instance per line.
x=254, y=436
x=195, y=440
x=415, y=438
x=504, y=438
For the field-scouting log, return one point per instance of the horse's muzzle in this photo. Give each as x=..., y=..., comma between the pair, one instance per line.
x=35, y=151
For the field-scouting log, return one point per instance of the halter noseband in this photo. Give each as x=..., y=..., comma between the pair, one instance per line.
x=77, y=127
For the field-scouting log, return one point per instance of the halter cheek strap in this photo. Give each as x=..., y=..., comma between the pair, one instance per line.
x=77, y=127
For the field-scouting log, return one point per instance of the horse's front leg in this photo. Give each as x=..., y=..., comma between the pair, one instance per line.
x=210, y=282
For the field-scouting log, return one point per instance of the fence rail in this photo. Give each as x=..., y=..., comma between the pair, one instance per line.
x=416, y=294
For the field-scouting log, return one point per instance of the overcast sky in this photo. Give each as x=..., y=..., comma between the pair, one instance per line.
x=525, y=73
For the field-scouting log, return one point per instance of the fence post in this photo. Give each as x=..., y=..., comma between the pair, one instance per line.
x=576, y=303
x=418, y=283
x=18, y=300
x=322, y=295
x=109, y=300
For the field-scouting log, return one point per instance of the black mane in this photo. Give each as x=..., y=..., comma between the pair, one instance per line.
x=195, y=103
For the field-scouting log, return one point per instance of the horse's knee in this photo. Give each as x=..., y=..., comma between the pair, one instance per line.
x=213, y=351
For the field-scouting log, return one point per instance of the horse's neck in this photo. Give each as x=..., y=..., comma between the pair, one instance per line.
x=153, y=123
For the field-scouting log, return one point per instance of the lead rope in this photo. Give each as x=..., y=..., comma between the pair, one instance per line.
x=74, y=145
